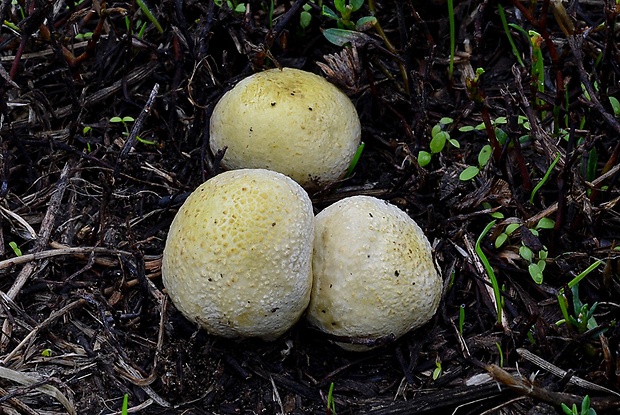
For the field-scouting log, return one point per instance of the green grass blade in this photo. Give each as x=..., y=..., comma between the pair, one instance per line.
x=147, y=12
x=490, y=272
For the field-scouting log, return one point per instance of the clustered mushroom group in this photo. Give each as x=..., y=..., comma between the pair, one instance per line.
x=246, y=257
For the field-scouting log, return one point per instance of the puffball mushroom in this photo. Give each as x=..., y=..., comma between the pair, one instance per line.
x=238, y=256
x=373, y=272
x=290, y=121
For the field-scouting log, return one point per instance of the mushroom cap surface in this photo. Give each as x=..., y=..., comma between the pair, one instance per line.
x=290, y=121
x=238, y=255
x=373, y=273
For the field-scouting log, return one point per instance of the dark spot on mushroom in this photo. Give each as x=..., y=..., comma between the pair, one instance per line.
x=323, y=311
x=396, y=273
x=273, y=224
x=251, y=129
x=370, y=214
x=331, y=285
x=209, y=279
x=413, y=283
x=273, y=104
x=334, y=323
x=292, y=93
x=273, y=310
x=310, y=108
x=368, y=256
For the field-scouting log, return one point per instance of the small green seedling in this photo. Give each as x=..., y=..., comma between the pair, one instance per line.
x=586, y=315
x=585, y=408
x=305, y=17
x=125, y=121
x=501, y=354
x=583, y=316
x=346, y=32
x=15, y=248
x=437, y=371
x=47, y=353
x=84, y=36
x=331, y=403
x=232, y=5
x=439, y=138
x=536, y=263
x=483, y=159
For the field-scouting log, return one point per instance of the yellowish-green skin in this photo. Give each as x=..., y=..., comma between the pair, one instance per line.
x=238, y=255
x=373, y=272
x=290, y=121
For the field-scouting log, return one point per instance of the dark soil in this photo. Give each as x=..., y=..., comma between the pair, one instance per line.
x=85, y=318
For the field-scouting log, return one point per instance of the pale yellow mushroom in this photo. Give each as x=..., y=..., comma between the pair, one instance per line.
x=374, y=276
x=237, y=259
x=290, y=121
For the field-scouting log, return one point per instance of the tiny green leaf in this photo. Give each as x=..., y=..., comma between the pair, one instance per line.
x=304, y=19
x=365, y=23
x=500, y=120
x=435, y=130
x=545, y=223
x=484, y=155
x=341, y=37
x=327, y=12
x=116, y=119
x=466, y=129
x=469, y=173
x=446, y=121
x=437, y=371
x=340, y=6
x=497, y=215
x=501, y=136
x=356, y=4
x=512, y=227
x=615, y=104
x=454, y=143
x=526, y=253
x=536, y=273
x=438, y=142
x=500, y=240
x=15, y=248
x=128, y=119
x=424, y=158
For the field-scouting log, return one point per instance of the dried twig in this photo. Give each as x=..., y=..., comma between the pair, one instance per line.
x=542, y=363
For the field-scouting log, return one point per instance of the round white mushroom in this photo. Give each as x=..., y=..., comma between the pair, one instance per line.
x=374, y=276
x=238, y=255
x=290, y=121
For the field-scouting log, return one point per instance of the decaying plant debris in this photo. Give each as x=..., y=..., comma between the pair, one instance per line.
x=86, y=203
